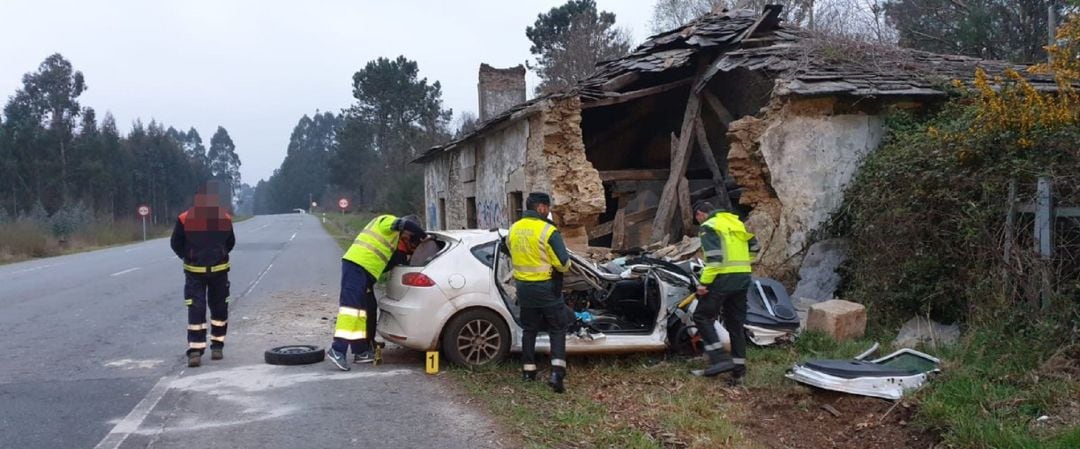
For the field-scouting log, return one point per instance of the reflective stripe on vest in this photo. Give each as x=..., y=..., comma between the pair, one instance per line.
x=374, y=246
x=530, y=253
x=733, y=256
x=213, y=269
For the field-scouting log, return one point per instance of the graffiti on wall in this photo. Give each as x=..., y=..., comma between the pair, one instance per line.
x=432, y=217
x=490, y=214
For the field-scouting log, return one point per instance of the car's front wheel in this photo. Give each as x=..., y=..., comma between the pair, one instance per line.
x=476, y=337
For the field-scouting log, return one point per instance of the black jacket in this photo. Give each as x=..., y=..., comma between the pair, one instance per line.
x=203, y=236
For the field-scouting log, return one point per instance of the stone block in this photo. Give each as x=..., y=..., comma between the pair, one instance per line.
x=839, y=319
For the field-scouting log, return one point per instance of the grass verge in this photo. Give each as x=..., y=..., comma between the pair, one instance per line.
x=24, y=240
x=649, y=401
x=641, y=401
x=344, y=227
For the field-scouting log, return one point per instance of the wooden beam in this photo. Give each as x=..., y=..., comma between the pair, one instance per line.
x=618, y=230
x=680, y=159
x=631, y=219
x=710, y=161
x=620, y=81
x=718, y=108
x=634, y=175
x=685, y=207
x=633, y=95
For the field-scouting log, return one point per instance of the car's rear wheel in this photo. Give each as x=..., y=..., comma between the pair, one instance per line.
x=476, y=337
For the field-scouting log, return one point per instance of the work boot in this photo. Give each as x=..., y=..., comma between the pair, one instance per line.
x=528, y=376
x=719, y=362
x=556, y=382
x=194, y=360
x=738, y=375
x=338, y=359
x=217, y=354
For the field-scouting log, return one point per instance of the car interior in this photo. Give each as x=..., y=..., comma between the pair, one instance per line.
x=618, y=299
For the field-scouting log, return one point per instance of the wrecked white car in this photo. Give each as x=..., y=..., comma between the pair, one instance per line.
x=887, y=377
x=457, y=295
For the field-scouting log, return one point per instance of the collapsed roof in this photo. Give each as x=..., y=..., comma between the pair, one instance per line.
x=802, y=63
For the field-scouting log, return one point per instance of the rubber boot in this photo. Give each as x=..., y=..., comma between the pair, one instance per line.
x=556, y=382
x=737, y=376
x=528, y=376
x=216, y=354
x=194, y=360
x=719, y=362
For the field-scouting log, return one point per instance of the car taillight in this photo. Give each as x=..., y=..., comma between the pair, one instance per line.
x=417, y=280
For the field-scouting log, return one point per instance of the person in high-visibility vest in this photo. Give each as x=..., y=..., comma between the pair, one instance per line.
x=725, y=279
x=361, y=267
x=538, y=255
x=203, y=237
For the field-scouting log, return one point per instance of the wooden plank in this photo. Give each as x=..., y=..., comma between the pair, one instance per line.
x=634, y=175
x=1010, y=220
x=631, y=219
x=633, y=95
x=620, y=81
x=718, y=108
x=680, y=159
x=710, y=161
x=618, y=231
x=684, y=206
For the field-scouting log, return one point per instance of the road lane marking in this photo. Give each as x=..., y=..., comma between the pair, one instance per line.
x=293, y=237
x=134, y=249
x=256, y=281
x=260, y=227
x=118, y=273
x=135, y=418
x=27, y=270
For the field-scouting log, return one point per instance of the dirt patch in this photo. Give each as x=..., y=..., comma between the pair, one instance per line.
x=823, y=419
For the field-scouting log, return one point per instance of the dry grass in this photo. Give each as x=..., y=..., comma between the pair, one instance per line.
x=23, y=240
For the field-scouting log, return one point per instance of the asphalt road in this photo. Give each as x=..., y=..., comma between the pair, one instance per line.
x=94, y=342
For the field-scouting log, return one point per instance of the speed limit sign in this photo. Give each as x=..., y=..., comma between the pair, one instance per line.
x=144, y=210
x=343, y=203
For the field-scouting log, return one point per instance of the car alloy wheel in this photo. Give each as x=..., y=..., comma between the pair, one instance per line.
x=476, y=337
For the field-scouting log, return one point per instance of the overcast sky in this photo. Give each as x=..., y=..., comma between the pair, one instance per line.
x=255, y=67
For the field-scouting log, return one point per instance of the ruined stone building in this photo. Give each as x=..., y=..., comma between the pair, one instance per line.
x=734, y=106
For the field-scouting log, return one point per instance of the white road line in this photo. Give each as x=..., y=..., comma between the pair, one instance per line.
x=27, y=270
x=134, y=419
x=260, y=227
x=256, y=281
x=134, y=249
x=118, y=273
x=293, y=237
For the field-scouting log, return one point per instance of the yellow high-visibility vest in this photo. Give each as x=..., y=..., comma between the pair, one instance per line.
x=374, y=245
x=532, y=257
x=734, y=247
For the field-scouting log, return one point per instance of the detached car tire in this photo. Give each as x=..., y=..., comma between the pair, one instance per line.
x=294, y=355
x=476, y=337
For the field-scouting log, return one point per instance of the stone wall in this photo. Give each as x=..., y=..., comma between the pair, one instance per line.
x=499, y=89
x=576, y=188
x=794, y=164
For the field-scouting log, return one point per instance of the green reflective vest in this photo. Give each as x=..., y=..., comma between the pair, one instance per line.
x=733, y=255
x=530, y=253
x=374, y=245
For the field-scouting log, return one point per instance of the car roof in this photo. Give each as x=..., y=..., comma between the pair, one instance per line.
x=472, y=236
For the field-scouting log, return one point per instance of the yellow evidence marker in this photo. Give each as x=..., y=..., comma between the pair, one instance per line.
x=432, y=365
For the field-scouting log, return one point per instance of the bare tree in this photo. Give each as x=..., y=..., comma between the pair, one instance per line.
x=671, y=14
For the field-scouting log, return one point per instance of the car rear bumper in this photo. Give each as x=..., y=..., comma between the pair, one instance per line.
x=411, y=323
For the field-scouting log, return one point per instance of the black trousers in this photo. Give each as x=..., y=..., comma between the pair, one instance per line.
x=551, y=319
x=204, y=290
x=730, y=304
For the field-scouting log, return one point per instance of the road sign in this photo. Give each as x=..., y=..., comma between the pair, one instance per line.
x=343, y=203
x=144, y=210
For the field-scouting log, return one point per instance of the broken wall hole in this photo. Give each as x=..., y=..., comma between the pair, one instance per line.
x=632, y=144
